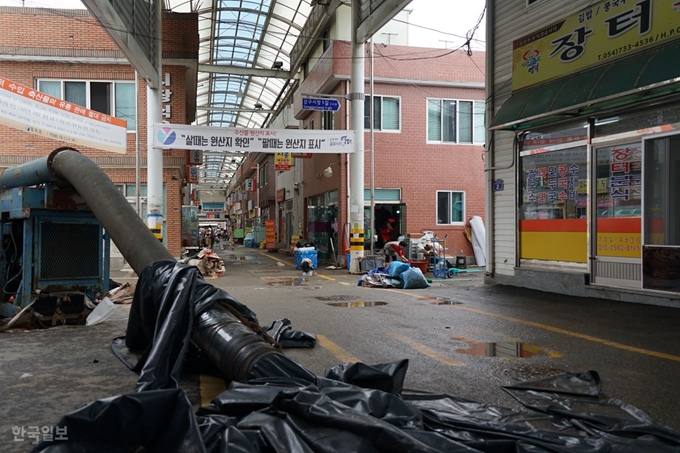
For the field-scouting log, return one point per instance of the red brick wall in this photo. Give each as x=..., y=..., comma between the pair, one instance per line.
x=40, y=33
x=404, y=160
x=54, y=29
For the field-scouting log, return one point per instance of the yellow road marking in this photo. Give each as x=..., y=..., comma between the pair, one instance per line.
x=268, y=255
x=398, y=291
x=210, y=387
x=344, y=283
x=336, y=350
x=613, y=344
x=553, y=354
x=425, y=350
x=289, y=264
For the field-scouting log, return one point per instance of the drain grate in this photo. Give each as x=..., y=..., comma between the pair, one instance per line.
x=336, y=297
x=357, y=304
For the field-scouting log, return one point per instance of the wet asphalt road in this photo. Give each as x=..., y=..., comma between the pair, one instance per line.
x=461, y=337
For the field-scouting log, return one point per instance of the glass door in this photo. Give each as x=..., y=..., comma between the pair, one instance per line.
x=661, y=247
x=617, y=209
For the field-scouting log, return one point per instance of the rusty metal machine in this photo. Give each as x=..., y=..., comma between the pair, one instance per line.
x=54, y=254
x=44, y=231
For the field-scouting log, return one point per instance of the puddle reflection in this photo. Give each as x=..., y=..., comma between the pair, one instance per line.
x=239, y=257
x=503, y=349
x=283, y=281
x=357, y=304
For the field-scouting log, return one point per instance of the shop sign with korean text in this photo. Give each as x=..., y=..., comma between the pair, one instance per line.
x=270, y=233
x=283, y=161
x=250, y=185
x=604, y=31
x=179, y=136
x=32, y=111
x=192, y=174
x=194, y=157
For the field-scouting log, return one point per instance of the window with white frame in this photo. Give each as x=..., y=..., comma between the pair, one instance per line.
x=112, y=98
x=386, y=113
x=455, y=121
x=264, y=175
x=450, y=207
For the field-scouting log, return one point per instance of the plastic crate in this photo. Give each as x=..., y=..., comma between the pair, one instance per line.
x=440, y=268
x=370, y=262
x=302, y=254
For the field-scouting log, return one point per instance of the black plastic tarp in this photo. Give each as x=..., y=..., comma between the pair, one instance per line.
x=283, y=333
x=175, y=308
x=273, y=404
x=287, y=415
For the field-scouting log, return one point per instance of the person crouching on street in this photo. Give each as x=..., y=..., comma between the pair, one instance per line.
x=394, y=250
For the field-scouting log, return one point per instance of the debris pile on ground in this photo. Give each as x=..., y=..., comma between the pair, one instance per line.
x=122, y=294
x=395, y=275
x=208, y=263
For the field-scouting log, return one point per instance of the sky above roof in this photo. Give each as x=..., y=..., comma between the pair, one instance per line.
x=435, y=23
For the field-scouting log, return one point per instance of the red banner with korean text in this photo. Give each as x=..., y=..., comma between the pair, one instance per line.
x=270, y=233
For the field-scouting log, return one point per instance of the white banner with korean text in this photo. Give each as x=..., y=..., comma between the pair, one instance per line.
x=179, y=136
x=30, y=110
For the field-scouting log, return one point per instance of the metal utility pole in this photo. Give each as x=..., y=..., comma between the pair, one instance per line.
x=357, y=97
x=372, y=107
x=154, y=156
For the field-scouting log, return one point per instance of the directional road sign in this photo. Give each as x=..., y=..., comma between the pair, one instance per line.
x=324, y=105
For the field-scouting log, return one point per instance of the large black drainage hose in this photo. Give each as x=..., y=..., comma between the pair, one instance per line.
x=238, y=352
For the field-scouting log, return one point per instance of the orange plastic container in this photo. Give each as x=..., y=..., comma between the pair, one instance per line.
x=420, y=264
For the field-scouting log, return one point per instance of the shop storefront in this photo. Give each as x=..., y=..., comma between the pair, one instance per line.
x=605, y=196
x=597, y=149
x=322, y=223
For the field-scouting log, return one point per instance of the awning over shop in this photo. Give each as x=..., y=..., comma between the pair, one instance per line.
x=639, y=78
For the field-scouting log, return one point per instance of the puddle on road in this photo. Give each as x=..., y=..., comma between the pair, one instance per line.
x=503, y=349
x=357, y=304
x=239, y=257
x=336, y=297
x=444, y=301
x=283, y=281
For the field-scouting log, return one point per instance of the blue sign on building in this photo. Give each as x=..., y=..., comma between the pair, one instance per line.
x=324, y=105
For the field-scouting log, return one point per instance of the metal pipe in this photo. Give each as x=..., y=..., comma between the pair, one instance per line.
x=28, y=174
x=490, y=154
x=236, y=350
x=133, y=238
x=127, y=230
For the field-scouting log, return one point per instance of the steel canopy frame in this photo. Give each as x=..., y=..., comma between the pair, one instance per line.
x=240, y=40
